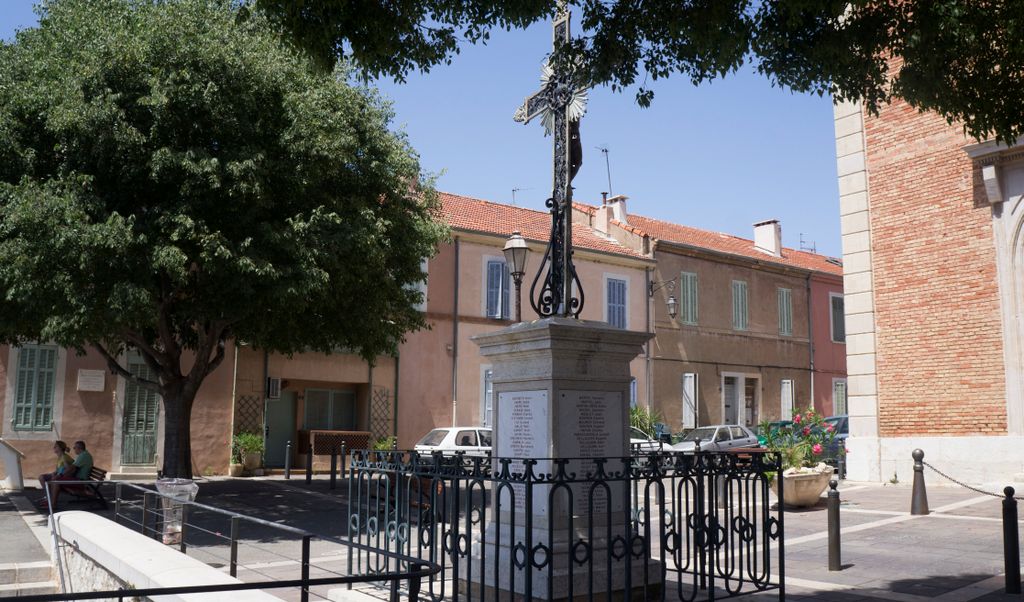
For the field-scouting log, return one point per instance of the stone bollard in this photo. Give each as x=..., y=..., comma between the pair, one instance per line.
x=835, y=562
x=1011, y=542
x=919, y=497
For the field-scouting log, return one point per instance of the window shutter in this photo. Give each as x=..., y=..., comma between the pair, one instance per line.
x=785, y=311
x=506, y=280
x=494, y=281
x=689, y=400
x=838, y=319
x=787, y=400
x=839, y=397
x=617, y=302
x=739, y=305
x=487, y=409
x=688, y=298
x=35, y=388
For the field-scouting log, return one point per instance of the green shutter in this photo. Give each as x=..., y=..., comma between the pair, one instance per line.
x=785, y=311
x=739, y=305
x=688, y=298
x=35, y=388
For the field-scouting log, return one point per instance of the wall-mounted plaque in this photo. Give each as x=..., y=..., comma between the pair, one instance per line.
x=92, y=380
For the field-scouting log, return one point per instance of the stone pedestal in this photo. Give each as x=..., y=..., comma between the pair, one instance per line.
x=561, y=391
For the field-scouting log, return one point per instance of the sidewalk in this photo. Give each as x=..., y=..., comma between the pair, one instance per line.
x=953, y=555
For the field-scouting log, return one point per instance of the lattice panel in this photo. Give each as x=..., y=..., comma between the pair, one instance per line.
x=323, y=442
x=248, y=414
x=381, y=417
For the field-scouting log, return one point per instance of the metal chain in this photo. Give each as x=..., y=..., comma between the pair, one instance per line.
x=966, y=486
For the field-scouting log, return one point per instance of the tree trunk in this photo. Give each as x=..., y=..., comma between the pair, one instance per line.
x=177, y=433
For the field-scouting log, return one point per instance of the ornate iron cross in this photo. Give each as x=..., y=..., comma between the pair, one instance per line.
x=560, y=105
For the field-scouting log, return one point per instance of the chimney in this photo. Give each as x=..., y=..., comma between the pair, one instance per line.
x=768, y=237
x=618, y=208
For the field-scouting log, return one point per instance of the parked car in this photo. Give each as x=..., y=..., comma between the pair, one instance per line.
x=473, y=440
x=841, y=424
x=640, y=441
x=773, y=427
x=720, y=437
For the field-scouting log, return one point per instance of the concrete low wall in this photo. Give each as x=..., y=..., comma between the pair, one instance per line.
x=102, y=555
x=974, y=460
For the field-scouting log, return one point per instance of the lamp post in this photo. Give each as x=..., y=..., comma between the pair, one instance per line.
x=516, y=252
x=673, y=305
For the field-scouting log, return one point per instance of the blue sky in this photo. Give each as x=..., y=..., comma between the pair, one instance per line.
x=719, y=156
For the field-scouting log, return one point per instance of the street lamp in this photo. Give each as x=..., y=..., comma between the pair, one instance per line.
x=516, y=252
x=673, y=305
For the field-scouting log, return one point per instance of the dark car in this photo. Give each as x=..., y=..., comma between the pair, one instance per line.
x=841, y=424
x=767, y=428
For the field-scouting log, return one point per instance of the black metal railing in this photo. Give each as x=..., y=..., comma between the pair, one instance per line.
x=203, y=528
x=654, y=526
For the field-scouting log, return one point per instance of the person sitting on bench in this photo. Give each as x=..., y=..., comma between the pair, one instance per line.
x=63, y=471
x=78, y=471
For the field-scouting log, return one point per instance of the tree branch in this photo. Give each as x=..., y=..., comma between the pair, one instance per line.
x=116, y=368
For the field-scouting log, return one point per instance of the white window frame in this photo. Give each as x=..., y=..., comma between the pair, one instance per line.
x=831, y=318
x=57, y=409
x=786, y=413
x=484, y=422
x=694, y=393
x=846, y=392
x=684, y=301
x=741, y=384
x=746, y=306
x=785, y=311
x=612, y=276
x=483, y=289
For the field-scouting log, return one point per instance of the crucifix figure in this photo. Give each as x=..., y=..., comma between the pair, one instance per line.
x=560, y=106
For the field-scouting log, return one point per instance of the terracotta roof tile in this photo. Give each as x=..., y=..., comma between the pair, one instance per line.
x=733, y=245
x=467, y=213
x=722, y=243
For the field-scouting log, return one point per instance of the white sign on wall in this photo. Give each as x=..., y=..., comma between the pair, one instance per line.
x=92, y=380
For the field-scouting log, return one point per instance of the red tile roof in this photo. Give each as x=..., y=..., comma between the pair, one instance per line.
x=722, y=243
x=465, y=213
x=733, y=245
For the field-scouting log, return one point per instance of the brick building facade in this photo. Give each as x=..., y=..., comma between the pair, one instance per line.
x=931, y=226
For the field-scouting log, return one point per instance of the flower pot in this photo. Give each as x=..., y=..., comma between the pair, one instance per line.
x=235, y=470
x=804, y=489
x=252, y=461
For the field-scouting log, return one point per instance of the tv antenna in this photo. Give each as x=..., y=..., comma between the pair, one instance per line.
x=607, y=166
x=514, y=191
x=812, y=247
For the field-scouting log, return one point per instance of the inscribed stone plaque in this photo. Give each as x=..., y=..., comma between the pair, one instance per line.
x=524, y=432
x=591, y=426
x=91, y=380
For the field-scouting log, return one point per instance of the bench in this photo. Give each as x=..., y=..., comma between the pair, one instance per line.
x=89, y=492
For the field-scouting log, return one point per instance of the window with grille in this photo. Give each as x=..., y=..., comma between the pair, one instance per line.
x=487, y=402
x=688, y=298
x=785, y=312
x=498, y=281
x=838, y=319
x=739, y=305
x=839, y=397
x=616, y=302
x=34, y=388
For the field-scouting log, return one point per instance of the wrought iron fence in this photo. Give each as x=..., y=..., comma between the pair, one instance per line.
x=655, y=526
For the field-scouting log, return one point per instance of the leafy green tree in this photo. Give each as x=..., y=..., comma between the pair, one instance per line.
x=173, y=176
x=961, y=58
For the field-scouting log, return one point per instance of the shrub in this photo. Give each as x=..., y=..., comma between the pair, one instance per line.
x=244, y=444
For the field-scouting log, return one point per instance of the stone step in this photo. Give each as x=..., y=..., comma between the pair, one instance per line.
x=28, y=589
x=132, y=476
x=25, y=572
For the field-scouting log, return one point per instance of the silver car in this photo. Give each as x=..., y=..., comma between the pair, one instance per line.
x=722, y=437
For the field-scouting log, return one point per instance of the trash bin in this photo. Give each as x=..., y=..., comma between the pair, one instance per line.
x=173, y=493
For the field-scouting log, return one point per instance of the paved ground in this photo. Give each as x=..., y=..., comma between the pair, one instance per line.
x=952, y=555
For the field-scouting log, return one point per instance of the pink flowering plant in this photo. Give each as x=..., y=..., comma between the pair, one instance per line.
x=808, y=442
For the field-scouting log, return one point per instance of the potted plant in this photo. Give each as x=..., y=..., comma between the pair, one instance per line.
x=804, y=446
x=247, y=451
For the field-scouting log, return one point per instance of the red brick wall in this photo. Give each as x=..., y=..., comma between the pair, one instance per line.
x=939, y=345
